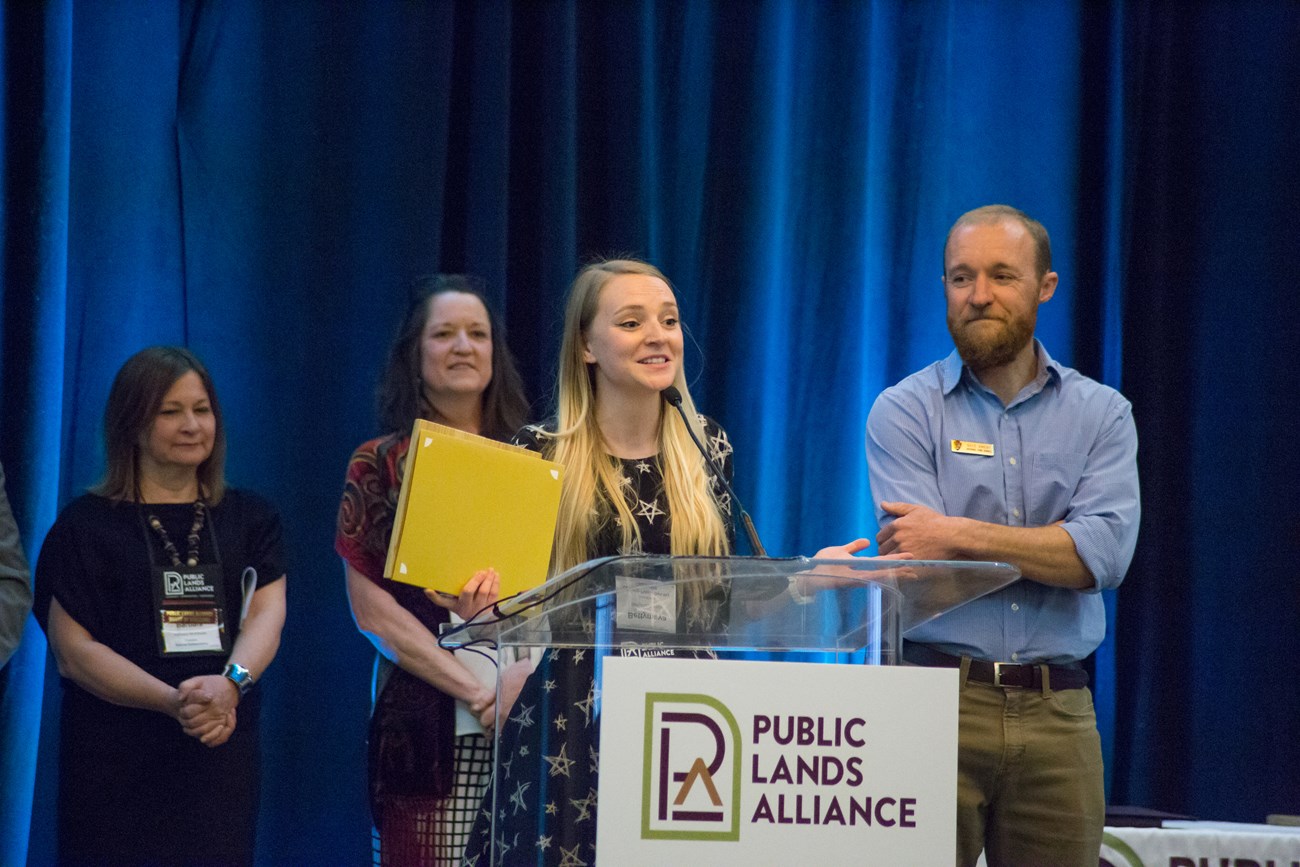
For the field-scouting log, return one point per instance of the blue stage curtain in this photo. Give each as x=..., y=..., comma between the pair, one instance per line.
x=261, y=181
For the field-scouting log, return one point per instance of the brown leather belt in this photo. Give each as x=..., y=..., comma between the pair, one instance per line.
x=1015, y=675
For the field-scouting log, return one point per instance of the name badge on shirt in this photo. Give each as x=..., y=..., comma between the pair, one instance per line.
x=966, y=447
x=189, y=616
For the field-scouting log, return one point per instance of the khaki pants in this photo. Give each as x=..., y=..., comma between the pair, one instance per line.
x=1029, y=780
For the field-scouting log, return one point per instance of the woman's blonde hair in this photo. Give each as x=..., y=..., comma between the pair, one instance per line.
x=592, y=493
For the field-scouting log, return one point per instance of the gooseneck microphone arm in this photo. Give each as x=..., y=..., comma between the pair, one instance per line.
x=674, y=398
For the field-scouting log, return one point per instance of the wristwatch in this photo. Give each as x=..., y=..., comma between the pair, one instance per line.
x=795, y=593
x=239, y=676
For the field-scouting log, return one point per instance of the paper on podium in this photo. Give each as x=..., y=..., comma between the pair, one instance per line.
x=468, y=503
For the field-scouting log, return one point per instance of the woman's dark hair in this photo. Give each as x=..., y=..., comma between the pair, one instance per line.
x=133, y=403
x=401, y=394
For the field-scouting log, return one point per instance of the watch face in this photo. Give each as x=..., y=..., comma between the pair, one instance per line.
x=239, y=675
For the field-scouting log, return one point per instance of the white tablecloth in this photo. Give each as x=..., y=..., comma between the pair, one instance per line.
x=1202, y=844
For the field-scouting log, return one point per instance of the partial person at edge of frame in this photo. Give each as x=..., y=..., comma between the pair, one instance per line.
x=15, y=583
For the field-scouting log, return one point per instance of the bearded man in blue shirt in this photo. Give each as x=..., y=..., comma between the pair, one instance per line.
x=999, y=453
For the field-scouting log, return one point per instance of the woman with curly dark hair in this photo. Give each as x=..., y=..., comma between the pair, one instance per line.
x=429, y=755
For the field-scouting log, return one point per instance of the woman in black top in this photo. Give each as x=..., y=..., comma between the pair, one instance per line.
x=162, y=594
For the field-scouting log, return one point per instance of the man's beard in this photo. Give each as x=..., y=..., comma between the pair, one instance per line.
x=991, y=347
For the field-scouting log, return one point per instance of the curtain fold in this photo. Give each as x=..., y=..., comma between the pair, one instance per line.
x=34, y=338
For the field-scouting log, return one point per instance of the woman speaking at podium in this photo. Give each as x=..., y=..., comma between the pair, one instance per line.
x=634, y=483
x=162, y=595
x=428, y=757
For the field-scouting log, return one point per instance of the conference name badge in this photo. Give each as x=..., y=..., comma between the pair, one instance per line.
x=186, y=630
x=966, y=447
x=188, y=614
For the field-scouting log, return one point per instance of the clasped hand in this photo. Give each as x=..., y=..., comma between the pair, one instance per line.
x=205, y=708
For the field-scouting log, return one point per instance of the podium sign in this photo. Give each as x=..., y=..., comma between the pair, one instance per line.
x=736, y=762
x=719, y=761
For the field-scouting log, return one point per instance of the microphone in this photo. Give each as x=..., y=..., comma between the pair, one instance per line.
x=674, y=398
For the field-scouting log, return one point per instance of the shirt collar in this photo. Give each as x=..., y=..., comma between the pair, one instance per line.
x=952, y=368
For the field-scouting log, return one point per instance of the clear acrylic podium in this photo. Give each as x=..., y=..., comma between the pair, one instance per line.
x=796, y=609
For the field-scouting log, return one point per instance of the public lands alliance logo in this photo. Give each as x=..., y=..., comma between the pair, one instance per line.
x=691, y=771
x=1116, y=853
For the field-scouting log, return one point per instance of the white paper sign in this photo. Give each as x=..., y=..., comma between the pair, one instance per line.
x=747, y=763
x=650, y=606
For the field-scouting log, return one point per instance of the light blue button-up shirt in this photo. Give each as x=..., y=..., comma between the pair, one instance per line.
x=1064, y=450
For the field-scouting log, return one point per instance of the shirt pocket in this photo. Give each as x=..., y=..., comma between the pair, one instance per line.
x=1052, y=484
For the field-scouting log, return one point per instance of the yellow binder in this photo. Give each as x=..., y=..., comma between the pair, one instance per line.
x=468, y=503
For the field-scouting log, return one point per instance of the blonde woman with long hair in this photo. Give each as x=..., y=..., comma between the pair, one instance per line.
x=634, y=484
x=615, y=434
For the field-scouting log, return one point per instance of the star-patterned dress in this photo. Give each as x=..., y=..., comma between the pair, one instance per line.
x=549, y=817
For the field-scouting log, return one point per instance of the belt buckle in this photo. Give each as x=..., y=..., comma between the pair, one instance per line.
x=997, y=675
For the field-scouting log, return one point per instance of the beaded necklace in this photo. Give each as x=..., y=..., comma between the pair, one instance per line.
x=192, y=554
